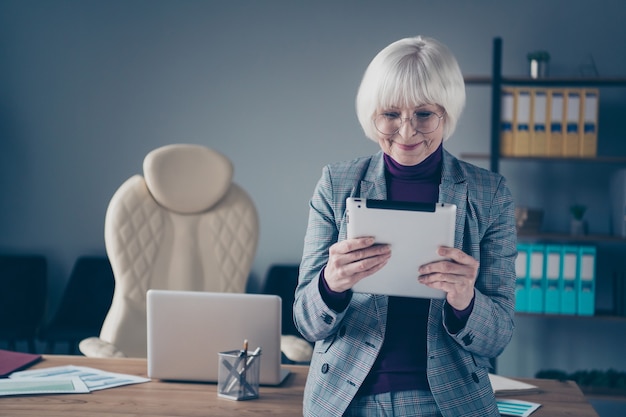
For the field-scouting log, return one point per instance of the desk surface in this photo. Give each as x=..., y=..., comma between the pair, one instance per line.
x=157, y=398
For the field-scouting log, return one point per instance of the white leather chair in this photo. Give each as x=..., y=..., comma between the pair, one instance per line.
x=183, y=225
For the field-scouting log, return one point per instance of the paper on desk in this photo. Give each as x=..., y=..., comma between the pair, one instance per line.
x=503, y=385
x=24, y=386
x=94, y=379
x=516, y=408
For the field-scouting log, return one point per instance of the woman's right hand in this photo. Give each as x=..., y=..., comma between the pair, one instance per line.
x=351, y=260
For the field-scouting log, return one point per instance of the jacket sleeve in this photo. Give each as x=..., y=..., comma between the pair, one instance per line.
x=490, y=326
x=313, y=318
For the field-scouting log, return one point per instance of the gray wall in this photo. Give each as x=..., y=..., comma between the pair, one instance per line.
x=87, y=88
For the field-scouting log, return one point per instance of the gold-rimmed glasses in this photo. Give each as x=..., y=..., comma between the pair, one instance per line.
x=422, y=121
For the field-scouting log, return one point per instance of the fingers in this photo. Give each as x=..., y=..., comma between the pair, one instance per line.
x=354, y=250
x=457, y=256
x=457, y=263
x=352, y=260
x=456, y=275
x=351, y=245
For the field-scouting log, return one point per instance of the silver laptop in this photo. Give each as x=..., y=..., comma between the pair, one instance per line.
x=187, y=329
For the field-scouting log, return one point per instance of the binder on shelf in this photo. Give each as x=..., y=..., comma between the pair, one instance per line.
x=569, y=258
x=507, y=114
x=521, y=283
x=586, y=283
x=552, y=297
x=536, y=281
x=521, y=125
x=571, y=143
x=538, y=122
x=556, y=134
x=590, y=99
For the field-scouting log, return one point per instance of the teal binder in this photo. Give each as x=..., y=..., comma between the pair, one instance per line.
x=568, y=287
x=536, y=270
x=522, y=283
x=552, y=298
x=586, y=280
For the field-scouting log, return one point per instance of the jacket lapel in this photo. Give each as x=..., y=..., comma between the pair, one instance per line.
x=453, y=190
x=373, y=184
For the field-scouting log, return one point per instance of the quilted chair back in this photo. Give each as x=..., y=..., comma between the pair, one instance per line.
x=184, y=225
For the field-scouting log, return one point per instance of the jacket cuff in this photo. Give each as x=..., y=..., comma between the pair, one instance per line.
x=336, y=301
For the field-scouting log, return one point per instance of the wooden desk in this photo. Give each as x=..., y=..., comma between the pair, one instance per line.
x=557, y=399
x=157, y=398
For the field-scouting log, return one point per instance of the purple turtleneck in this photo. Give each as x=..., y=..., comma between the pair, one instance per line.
x=401, y=363
x=418, y=183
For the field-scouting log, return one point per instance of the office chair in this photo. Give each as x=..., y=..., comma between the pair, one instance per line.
x=184, y=225
x=85, y=303
x=23, y=293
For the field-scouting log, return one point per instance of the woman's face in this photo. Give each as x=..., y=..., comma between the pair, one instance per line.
x=410, y=134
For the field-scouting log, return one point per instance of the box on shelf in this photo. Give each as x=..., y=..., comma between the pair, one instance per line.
x=528, y=220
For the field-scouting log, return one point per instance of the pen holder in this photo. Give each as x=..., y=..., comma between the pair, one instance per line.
x=238, y=375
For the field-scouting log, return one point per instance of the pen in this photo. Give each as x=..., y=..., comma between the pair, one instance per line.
x=242, y=376
x=254, y=354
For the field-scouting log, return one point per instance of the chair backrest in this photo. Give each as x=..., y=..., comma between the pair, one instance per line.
x=184, y=225
x=23, y=294
x=282, y=280
x=87, y=296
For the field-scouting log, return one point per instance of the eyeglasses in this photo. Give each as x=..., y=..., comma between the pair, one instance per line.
x=423, y=121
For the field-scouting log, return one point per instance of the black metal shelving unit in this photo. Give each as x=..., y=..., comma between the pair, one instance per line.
x=496, y=82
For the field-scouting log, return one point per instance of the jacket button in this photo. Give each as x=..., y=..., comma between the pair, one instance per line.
x=475, y=377
x=325, y=368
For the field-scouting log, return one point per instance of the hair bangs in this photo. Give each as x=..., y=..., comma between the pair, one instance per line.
x=406, y=85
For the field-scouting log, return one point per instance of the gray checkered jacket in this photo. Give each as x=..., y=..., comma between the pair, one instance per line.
x=347, y=342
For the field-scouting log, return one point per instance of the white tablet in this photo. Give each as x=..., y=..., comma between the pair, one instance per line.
x=414, y=231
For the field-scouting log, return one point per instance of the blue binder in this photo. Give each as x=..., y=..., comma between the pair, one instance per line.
x=536, y=270
x=568, y=287
x=552, y=298
x=522, y=282
x=586, y=280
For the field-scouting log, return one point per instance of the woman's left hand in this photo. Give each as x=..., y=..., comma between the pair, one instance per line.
x=456, y=275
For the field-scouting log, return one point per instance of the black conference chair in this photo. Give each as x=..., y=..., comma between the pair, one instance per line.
x=23, y=294
x=282, y=280
x=84, y=305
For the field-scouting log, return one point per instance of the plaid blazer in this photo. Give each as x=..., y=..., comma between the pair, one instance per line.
x=347, y=342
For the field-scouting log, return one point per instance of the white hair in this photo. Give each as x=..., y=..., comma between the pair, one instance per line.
x=411, y=72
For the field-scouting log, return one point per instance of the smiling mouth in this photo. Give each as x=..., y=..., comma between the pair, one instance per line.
x=408, y=147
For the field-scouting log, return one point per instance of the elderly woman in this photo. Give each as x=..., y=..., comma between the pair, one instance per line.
x=380, y=355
